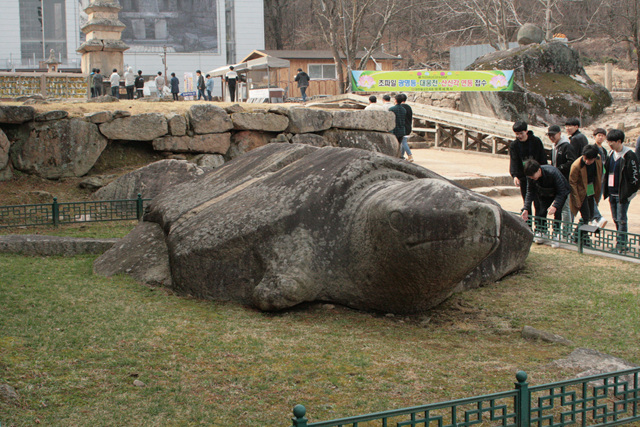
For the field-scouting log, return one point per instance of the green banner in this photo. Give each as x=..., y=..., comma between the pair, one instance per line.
x=432, y=81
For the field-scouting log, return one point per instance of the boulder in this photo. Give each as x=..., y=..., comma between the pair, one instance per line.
x=4, y=150
x=234, y=108
x=555, y=87
x=305, y=120
x=385, y=143
x=12, y=114
x=99, y=117
x=208, y=143
x=247, y=140
x=103, y=99
x=369, y=120
x=120, y=114
x=177, y=124
x=141, y=127
x=95, y=182
x=209, y=160
x=207, y=118
x=57, y=149
x=148, y=263
x=51, y=115
x=530, y=33
x=310, y=139
x=289, y=223
x=266, y=122
x=149, y=180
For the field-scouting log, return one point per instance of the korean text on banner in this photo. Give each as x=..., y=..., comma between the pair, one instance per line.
x=432, y=81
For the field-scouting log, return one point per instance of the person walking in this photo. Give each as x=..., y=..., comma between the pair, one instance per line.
x=115, y=84
x=550, y=188
x=139, y=84
x=562, y=157
x=577, y=139
x=209, y=84
x=401, y=114
x=303, y=83
x=200, y=86
x=175, y=87
x=98, y=81
x=526, y=146
x=408, y=125
x=620, y=183
x=129, y=82
x=231, y=78
x=93, y=90
x=585, y=179
x=160, y=84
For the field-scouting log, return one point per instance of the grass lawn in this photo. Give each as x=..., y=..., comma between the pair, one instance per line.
x=72, y=344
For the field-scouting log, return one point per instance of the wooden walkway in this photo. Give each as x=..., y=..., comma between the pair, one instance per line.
x=455, y=129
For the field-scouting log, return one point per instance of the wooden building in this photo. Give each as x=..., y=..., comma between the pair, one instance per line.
x=319, y=64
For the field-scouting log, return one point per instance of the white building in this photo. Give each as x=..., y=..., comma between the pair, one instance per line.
x=196, y=34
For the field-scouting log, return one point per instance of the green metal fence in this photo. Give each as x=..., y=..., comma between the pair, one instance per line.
x=599, y=400
x=586, y=237
x=71, y=212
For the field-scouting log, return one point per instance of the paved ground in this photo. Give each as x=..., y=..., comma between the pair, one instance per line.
x=457, y=164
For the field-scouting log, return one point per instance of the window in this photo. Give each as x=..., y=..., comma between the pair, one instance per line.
x=322, y=71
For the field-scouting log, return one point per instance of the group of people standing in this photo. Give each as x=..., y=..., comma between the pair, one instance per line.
x=133, y=83
x=580, y=174
x=404, y=119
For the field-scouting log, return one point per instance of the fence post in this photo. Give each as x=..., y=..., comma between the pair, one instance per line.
x=580, y=242
x=523, y=401
x=55, y=212
x=299, y=419
x=139, y=207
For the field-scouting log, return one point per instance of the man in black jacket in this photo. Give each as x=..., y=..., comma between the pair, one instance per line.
x=620, y=182
x=577, y=138
x=562, y=157
x=548, y=185
x=526, y=146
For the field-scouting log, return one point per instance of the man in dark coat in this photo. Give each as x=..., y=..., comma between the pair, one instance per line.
x=303, y=83
x=577, y=138
x=175, y=86
x=526, y=146
x=551, y=188
x=401, y=115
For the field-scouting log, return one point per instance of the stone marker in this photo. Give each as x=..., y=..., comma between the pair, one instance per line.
x=287, y=223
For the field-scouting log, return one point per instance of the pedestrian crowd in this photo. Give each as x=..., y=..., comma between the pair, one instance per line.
x=134, y=84
x=575, y=180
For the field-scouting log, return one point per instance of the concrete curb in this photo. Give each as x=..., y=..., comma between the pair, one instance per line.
x=53, y=245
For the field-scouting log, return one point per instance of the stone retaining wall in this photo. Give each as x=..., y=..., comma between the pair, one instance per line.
x=52, y=145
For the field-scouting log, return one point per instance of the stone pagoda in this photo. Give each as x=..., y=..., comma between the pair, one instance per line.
x=104, y=47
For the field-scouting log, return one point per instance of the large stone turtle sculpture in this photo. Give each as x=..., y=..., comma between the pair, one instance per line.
x=286, y=224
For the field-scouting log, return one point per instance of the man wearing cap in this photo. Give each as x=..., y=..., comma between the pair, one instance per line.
x=562, y=157
x=303, y=83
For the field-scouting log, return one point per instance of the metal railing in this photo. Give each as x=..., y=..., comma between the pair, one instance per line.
x=587, y=237
x=600, y=400
x=71, y=212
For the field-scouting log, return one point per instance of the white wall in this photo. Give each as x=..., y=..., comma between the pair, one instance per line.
x=249, y=16
x=10, y=41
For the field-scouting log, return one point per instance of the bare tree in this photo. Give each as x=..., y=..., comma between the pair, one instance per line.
x=350, y=26
x=622, y=23
x=497, y=19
